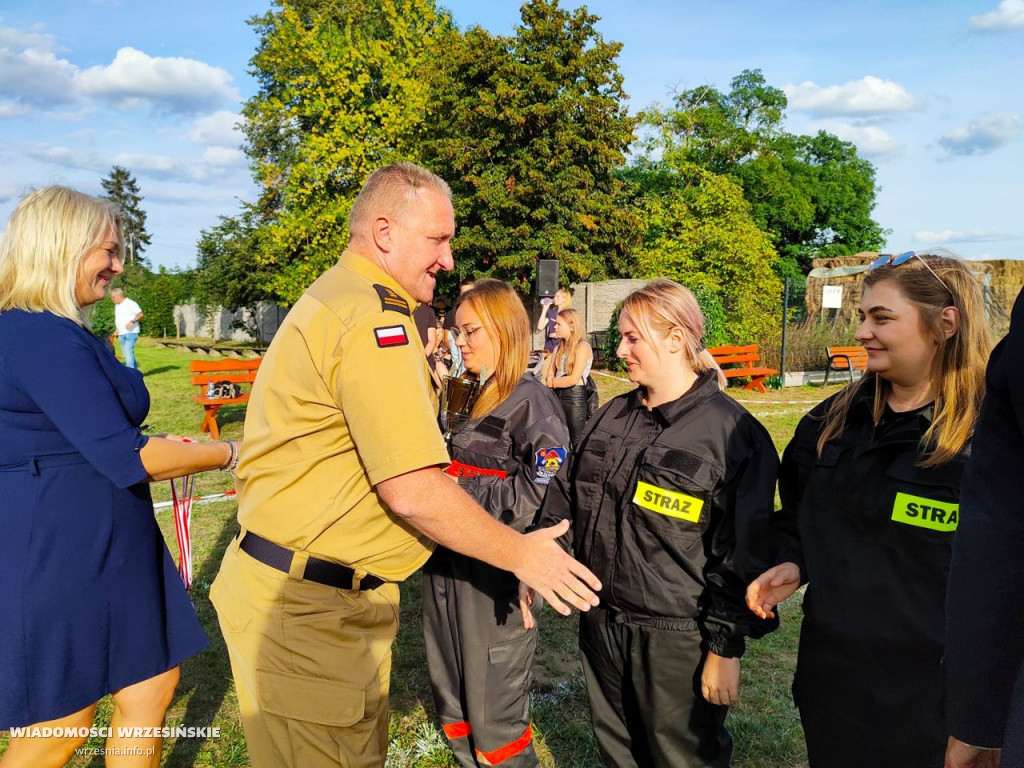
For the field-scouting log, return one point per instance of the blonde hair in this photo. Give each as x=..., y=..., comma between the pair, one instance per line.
x=46, y=238
x=567, y=295
x=508, y=326
x=664, y=304
x=391, y=190
x=566, y=347
x=958, y=369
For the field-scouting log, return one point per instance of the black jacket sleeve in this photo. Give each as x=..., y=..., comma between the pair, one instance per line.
x=515, y=499
x=740, y=546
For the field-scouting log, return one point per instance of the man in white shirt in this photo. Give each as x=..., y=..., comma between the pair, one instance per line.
x=126, y=317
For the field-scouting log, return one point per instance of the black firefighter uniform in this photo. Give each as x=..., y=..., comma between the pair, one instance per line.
x=671, y=509
x=876, y=534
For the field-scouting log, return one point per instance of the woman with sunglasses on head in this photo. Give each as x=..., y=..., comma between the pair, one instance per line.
x=872, y=478
x=567, y=368
x=669, y=493
x=479, y=652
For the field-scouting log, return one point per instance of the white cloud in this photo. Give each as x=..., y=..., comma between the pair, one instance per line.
x=870, y=140
x=224, y=157
x=868, y=96
x=30, y=71
x=134, y=79
x=13, y=109
x=1009, y=15
x=957, y=236
x=65, y=157
x=217, y=130
x=986, y=134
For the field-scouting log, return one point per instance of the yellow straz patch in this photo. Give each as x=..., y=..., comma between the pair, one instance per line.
x=926, y=513
x=671, y=503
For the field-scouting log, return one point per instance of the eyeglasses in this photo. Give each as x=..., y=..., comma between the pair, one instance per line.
x=895, y=260
x=467, y=332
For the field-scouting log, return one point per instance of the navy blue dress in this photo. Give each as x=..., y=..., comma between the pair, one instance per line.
x=91, y=599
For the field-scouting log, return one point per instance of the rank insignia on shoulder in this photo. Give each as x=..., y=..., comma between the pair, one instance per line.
x=391, y=301
x=549, y=461
x=391, y=336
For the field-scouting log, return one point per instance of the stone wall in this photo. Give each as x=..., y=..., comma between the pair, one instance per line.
x=218, y=324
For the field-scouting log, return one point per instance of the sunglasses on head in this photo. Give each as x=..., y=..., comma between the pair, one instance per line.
x=895, y=260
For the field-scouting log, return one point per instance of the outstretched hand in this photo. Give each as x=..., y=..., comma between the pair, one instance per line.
x=554, y=574
x=771, y=588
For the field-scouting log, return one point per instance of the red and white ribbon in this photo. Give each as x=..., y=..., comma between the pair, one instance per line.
x=182, y=502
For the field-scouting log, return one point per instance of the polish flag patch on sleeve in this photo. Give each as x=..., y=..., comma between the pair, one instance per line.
x=391, y=336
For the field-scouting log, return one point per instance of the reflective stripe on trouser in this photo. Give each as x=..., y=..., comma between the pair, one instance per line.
x=311, y=664
x=644, y=689
x=480, y=659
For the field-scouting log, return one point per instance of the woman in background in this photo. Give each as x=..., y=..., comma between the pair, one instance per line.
x=92, y=602
x=479, y=653
x=567, y=368
x=872, y=479
x=546, y=322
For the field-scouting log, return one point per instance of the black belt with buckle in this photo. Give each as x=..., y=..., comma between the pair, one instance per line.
x=321, y=571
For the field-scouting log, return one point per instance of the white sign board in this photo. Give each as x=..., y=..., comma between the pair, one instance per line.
x=832, y=297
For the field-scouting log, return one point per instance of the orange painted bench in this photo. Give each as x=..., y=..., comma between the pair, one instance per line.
x=241, y=372
x=743, y=362
x=847, y=359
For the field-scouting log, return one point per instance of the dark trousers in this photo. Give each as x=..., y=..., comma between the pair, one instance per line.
x=574, y=403
x=480, y=660
x=644, y=688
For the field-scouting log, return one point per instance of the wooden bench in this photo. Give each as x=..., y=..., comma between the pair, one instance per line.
x=847, y=359
x=241, y=372
x=742, y=362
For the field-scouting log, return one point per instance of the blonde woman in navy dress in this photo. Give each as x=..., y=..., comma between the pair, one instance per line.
x=92, y=601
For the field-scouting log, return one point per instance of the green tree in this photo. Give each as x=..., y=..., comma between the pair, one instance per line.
x=341, y=92
x=701, y=233
x=529, y=130
x=229, y=272
x=814, y=194
x=122, y=188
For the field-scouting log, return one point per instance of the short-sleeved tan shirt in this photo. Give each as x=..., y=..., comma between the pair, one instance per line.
x=343, y=400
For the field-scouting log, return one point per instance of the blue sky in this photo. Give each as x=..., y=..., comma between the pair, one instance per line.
x=930, y=92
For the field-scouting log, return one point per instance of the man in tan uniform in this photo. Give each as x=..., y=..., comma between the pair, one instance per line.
x=341, y=493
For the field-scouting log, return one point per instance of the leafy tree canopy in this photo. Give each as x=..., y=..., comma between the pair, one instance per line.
x=342, y=92
x=529, y=130
x=701, y=233
x=812, y=193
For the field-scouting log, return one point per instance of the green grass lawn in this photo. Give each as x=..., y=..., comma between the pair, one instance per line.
x=765, y=724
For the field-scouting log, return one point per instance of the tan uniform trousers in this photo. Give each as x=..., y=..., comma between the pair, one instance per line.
x=312, y=664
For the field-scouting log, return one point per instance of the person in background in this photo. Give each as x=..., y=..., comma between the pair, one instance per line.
x=872, y=478
x=93, y=604
x=426, y=325
x=127, y=315
x=456, y=367
x=984, y=621
x=479, y=653
x=549, y=314
x=567, y=368
x=341, y=493
x=670, y=494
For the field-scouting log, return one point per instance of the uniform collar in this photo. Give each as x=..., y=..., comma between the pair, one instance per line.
x=368, y=269
x=668, y=413
x=863, y=408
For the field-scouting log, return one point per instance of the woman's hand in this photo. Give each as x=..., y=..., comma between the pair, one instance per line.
x=720, y=681
x=771, y=588
x=526, y=606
